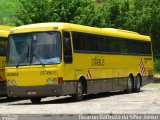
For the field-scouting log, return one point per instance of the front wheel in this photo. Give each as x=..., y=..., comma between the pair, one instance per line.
x=35, y=100
x=79, y=92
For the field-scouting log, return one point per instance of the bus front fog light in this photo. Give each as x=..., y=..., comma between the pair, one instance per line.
x=54, y=91
x=10, y=92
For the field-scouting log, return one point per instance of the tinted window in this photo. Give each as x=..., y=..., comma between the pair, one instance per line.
x=92, y=41
x=79, y=41
x=123, y=46
x=131, y=47
x=139, y=47
x=102, y=44
x=113, y=45
x=147, y=48
x=105, y=44
x=67, y=47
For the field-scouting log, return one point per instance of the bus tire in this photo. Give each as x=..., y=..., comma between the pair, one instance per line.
x=79, y=91
x=129, y=84
x=10, y=98
x=137, y=83
x=35, y=100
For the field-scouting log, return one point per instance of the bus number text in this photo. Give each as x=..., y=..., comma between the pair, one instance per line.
x=12, y=74
x=98, y=61
x=48, y=72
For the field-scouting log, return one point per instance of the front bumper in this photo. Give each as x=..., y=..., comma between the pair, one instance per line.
x=42, y=91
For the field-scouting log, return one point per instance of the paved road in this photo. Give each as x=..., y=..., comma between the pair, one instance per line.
x=145, y=102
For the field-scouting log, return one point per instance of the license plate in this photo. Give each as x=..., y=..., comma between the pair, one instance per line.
x=30, y=92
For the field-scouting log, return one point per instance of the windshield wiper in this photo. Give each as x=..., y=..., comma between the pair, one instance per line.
x=22, y=57
x=36, y=56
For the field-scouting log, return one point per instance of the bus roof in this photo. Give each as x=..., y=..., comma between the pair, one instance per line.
x=79, y=28
x=5, y=27
x=4, y=30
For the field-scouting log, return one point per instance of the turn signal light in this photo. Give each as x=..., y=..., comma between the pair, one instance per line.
x=1, y=78
x=60, y=80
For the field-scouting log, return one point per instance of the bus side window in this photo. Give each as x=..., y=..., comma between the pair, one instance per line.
x=67, y=49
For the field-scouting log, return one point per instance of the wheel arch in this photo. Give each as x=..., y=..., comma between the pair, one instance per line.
x=140, y=78
x=131, y=75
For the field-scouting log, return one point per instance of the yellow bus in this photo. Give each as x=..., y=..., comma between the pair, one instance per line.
x=54, y=59
x=4, y=32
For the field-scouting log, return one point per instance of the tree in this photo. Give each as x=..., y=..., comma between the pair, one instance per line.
x=140, y=16
x=115, y=13
x=35, y=11
x=8, y=9
x=32, y=11
x=145, y=20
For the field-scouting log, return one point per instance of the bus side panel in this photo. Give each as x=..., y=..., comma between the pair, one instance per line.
x=111, y=76
x=97, y=86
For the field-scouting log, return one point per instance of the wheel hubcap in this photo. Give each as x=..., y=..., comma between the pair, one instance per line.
x=138, y=82
x=129, y=83
x=80, y=89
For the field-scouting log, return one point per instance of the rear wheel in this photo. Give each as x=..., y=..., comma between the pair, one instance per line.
x=129, y=85
x=79, y=92
x=35, y=100
x=137, y=84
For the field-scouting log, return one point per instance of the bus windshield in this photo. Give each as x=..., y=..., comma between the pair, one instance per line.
x=34, y=49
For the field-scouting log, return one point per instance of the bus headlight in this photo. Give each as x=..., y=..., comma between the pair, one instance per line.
x=13, y=82
x=8, y=82
x=49, y=81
